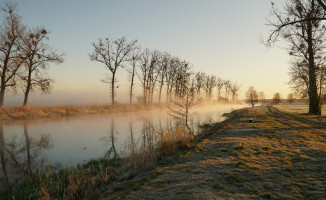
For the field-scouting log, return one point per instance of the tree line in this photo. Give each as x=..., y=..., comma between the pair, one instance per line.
x=25, y=56
x=158, y=72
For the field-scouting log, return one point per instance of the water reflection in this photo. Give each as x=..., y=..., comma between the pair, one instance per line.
x=24, y=147
x=21, y=155
x=110, y=140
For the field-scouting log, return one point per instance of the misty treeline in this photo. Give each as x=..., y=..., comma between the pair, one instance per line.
x=24, y=55
x=158, y=73
x=301, y=23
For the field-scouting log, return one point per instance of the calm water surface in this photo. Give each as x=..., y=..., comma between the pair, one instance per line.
x=69, y=141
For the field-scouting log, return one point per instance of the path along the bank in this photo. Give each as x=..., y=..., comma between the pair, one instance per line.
x=279, y=156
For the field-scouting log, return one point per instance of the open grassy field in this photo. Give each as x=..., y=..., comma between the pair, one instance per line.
x=277, y=157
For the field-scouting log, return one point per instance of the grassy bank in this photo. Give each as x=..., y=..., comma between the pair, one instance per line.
x=114, y=176
x=35, y=112
x=276, y=157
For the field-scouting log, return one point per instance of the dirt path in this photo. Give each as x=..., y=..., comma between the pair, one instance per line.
x=277, y=157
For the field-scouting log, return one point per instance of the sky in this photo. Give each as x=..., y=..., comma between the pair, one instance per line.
x=218, y=37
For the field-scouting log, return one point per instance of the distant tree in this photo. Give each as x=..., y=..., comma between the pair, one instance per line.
x=219, y=85
x=227, y=86
x=235, y=88
x=112, y=53
x=200, y=81
x=134, y=61
x=261, y=96
x=171, y=72
x=148, y=73
x=290, y=98
x=252, y=96
x=164, y=62
x=10, y=58
x=301, y=24
x=277, y=98
x=38, y=56
x=209, y=83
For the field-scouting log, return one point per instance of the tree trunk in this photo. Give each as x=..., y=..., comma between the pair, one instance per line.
x=132, y=84
x=112, y=88
x=160, y=93
x=314, y=106
x=2, y=96
x=3, y=87
x=28, y=88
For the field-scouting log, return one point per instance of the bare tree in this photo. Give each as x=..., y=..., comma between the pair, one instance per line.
x=227, y=86
x=148, y=73
x=235, y=88
x=170, y=78
x=182, y=107
x=252, y=96
x=261, y=96
x=134, y=61
x=290, y=98
x=210, y=83
x=38, y=55
x=219, y=85
x=300, y=23
x=112, y=53
x=276, y=98
x=10, y=57
x=200, y=77
x=165, y=60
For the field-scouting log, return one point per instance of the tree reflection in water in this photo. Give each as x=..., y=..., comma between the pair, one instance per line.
x=112, y=152
x=21, y=156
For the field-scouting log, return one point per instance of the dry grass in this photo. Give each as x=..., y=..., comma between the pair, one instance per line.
x=27, y=113
x=269, y=159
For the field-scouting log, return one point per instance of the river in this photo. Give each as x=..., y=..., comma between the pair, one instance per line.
x=65, y=142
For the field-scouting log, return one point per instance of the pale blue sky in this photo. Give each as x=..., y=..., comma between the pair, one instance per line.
x=217, y=36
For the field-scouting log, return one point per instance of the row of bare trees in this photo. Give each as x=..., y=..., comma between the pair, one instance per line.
x=24, y=55
x=157, y=72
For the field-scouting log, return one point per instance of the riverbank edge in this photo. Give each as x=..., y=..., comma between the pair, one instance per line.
x=28, y=113
x=32, y=113
x=108, y=177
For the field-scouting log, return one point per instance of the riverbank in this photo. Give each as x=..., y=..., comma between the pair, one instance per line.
x=90, y=179
x=35, y=112
x=277, y=157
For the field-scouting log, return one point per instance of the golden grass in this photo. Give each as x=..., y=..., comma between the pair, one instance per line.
x=37, y=112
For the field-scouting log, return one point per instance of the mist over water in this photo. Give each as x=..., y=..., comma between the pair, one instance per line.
x=70, y=141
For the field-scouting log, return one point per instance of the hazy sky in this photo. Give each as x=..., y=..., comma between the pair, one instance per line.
x=217, y=36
